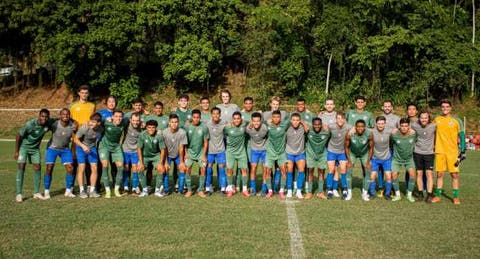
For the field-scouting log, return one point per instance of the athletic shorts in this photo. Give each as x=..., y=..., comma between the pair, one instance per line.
x=240, y=158
x=385, y=164
x=116, y=153
x=396, y=166
x=30, y=155
x=318, y=161
x=296, y=158
x=423, y=162
x=130, y=158
x=154, y=160
x=176, y=160
x=220, y=158
x=272, y=158
x=336, y=156
x=64, y=154
x=258, y=156
x=83, y=157
x=363, y=158
x=446, y=163
x=189, y=162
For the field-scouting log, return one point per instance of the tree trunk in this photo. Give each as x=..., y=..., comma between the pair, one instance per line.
x=472, y=90
x=328, y=72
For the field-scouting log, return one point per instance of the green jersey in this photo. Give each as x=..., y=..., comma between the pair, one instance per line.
x=183, y=116
x=403, y=146
x=247, y=116
x=112, y=134
x=353, y=116
x=235, y=139
x=161, y=120
x=32, y=133
x=276, y=140
x=359, y=144
x=206, y=117
x=317, y=143
x=307, y=117
x=150, y=145
x=196, y=136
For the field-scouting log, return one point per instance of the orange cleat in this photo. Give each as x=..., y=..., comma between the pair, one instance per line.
x=322, y=196
x=245, y=194
x=456, y=201
x=436, y=199
x=308, y=196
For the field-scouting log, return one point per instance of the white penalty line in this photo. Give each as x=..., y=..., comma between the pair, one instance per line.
x=296, y=243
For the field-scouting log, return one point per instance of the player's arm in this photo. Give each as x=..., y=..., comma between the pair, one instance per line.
x=370, y=151
x=141, y=166
x=78, y=142
x=205, y=150
x=347, y=150
x=305, y=126
x=182, y=150
x=18, y=143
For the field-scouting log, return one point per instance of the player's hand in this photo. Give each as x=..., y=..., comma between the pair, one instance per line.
x=411, y=131
x=109, y=119
x=167, y=167
x=368, y=165
x=187, y=122
x=141, y=166
x=86, y=149
x=15, y=156
x=349, y=164
x=182, y=167
x=351, y=132
x=394, y=130
x=204, y=160
x=161, y=168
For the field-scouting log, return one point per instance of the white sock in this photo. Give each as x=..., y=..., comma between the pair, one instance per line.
x=81, y=188
x=107, y=189
x=397, y=193
x=117, y=187
x=282, y=190
x=47, y=191
x=92, y=188
x=245, y=188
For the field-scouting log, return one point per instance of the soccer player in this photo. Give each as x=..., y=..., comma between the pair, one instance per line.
x=151, y=150
x=59, y=145
x=257, y=132
x=382, y=157
x=82, y=109
x=111, y=103
x=449, y=145
x=403, y=143
x=175, y=140
x=137, y=107
x=27, y=148
x=235, y=133
x=336, y=153
x=360, y=113
x=359, y=146
x=392, y=119
x=424, y=153
x=110, y=146
x=86, y=149
x=274, y=106
x=130, y=154
x=226, y=106
x=305, y=114
x=197, y=135
x=184, y=114
x=316, y=153
x=412, y=112
x=276, y=143
x=205, y=109
x=329, y=115
x=295, y=149
x=158, y=116
x=247, y=110
x=216, y=151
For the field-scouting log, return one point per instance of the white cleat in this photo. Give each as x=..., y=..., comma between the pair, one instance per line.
x=365, y=197
x=349, y=195
x=38, y=196
x=145, y=194
x=299, y=194
x=336, y=194
x=46, y=196
x=289, y=194
x=19, y=198
x=159, y=194
x=69, y=194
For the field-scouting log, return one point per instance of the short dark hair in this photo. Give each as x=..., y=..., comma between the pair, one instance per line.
x=276, y=112
x=295, y=114
x=152, y=123
x=412, y=104
x=257, y=115
x=204, y=98
x=196, y=111
x=158, y=103
x=237, y=113
x=316, y=119
x=111, y=97
x=248, y=98
x=360, y=97
x=65, y=109
x=44, y=110
x=216, y=109
x=172, y=116
x=380, y=118
x=388, y=101
x=404, y=120
x=360, y=121
x=136, y=114
x=137, y=100
x=300, y=99
x=184, y=96
x=445, y=101
x=118, y=111
x=96, y=117
x=84, y=87
x=341, y=114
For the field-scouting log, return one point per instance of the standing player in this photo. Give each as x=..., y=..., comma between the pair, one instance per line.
x=247, y=110
x=360, y=113
x=359, y=146
x=205, y=109
x=305, y=114
x=59, y=145
x=130, y=155
x=449, y=144
x=110, y=147
x=295, y=149
x=235, y=134
x=257, y=132
x=111, y=103
x=316, y=150
x=274, y=106
x=184, y=114
x=197, y=135
x=175, y=140
x=382, y=157
x=226, y=107
x=86, y=150
x=276, y=143
x=403, y=144
x=329, y=115
x=392, y=119
x=158, y=116
x=412, y=112
x=138, y=107
x=151, y=150
x=424, y=153
x=336, y=153
x=216, y=151
x=27, y=148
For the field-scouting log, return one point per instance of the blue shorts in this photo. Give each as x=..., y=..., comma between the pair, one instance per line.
x=257, y=156
x=221, y=158
x=83, y=157
x=386, y=164
x=175, y=159
x=64, y=154
x=336, y=156
x=130, y=158
x=295, y=158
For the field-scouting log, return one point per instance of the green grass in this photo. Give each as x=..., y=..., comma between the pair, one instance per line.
x=218, y=227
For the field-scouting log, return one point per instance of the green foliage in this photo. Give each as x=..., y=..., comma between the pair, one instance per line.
x=126, y=91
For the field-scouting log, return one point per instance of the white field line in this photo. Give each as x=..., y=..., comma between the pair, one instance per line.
x=296, y=243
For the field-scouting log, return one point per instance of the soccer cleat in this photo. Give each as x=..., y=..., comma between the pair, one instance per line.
x=299, y=194
x=69, y=194
x=456, y=201
x=19, y=198
x=245, y=194
x=365, y=197
x=269, y=194
x=289, y=194
x=143, y=194
x=83, y=194
x=46, y=196
x=202, y=194
x=308, y=196
x=387, y=197
x=380, y=193
x=126, y=189
x=108, y=194
x=229, y=194
x=281, y=194
x=135, y=191
x=396, y=198
x=436, y=199
x=38, y=196
x=93, y=194
x=117, y=193
x=349, y=195
x=321, y=196
x=420, y=196
x=188, y=194
x=329, y=195
x=237, y=189
x=336, y=194
x=410, y=198
x=428, y=199
x=159, y=194
x=344, y=195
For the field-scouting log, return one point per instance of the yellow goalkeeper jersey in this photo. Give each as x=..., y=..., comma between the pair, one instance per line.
x=446, y=136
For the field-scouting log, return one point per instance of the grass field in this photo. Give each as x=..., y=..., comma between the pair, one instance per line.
x=217, y=227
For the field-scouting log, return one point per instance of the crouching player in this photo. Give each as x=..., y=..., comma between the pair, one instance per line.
x=359, y=146
x=86, y=151
x=403, y=145
x=317, y=140
x=151, y=149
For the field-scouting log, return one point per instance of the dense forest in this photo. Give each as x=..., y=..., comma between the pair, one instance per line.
x=408, y=50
